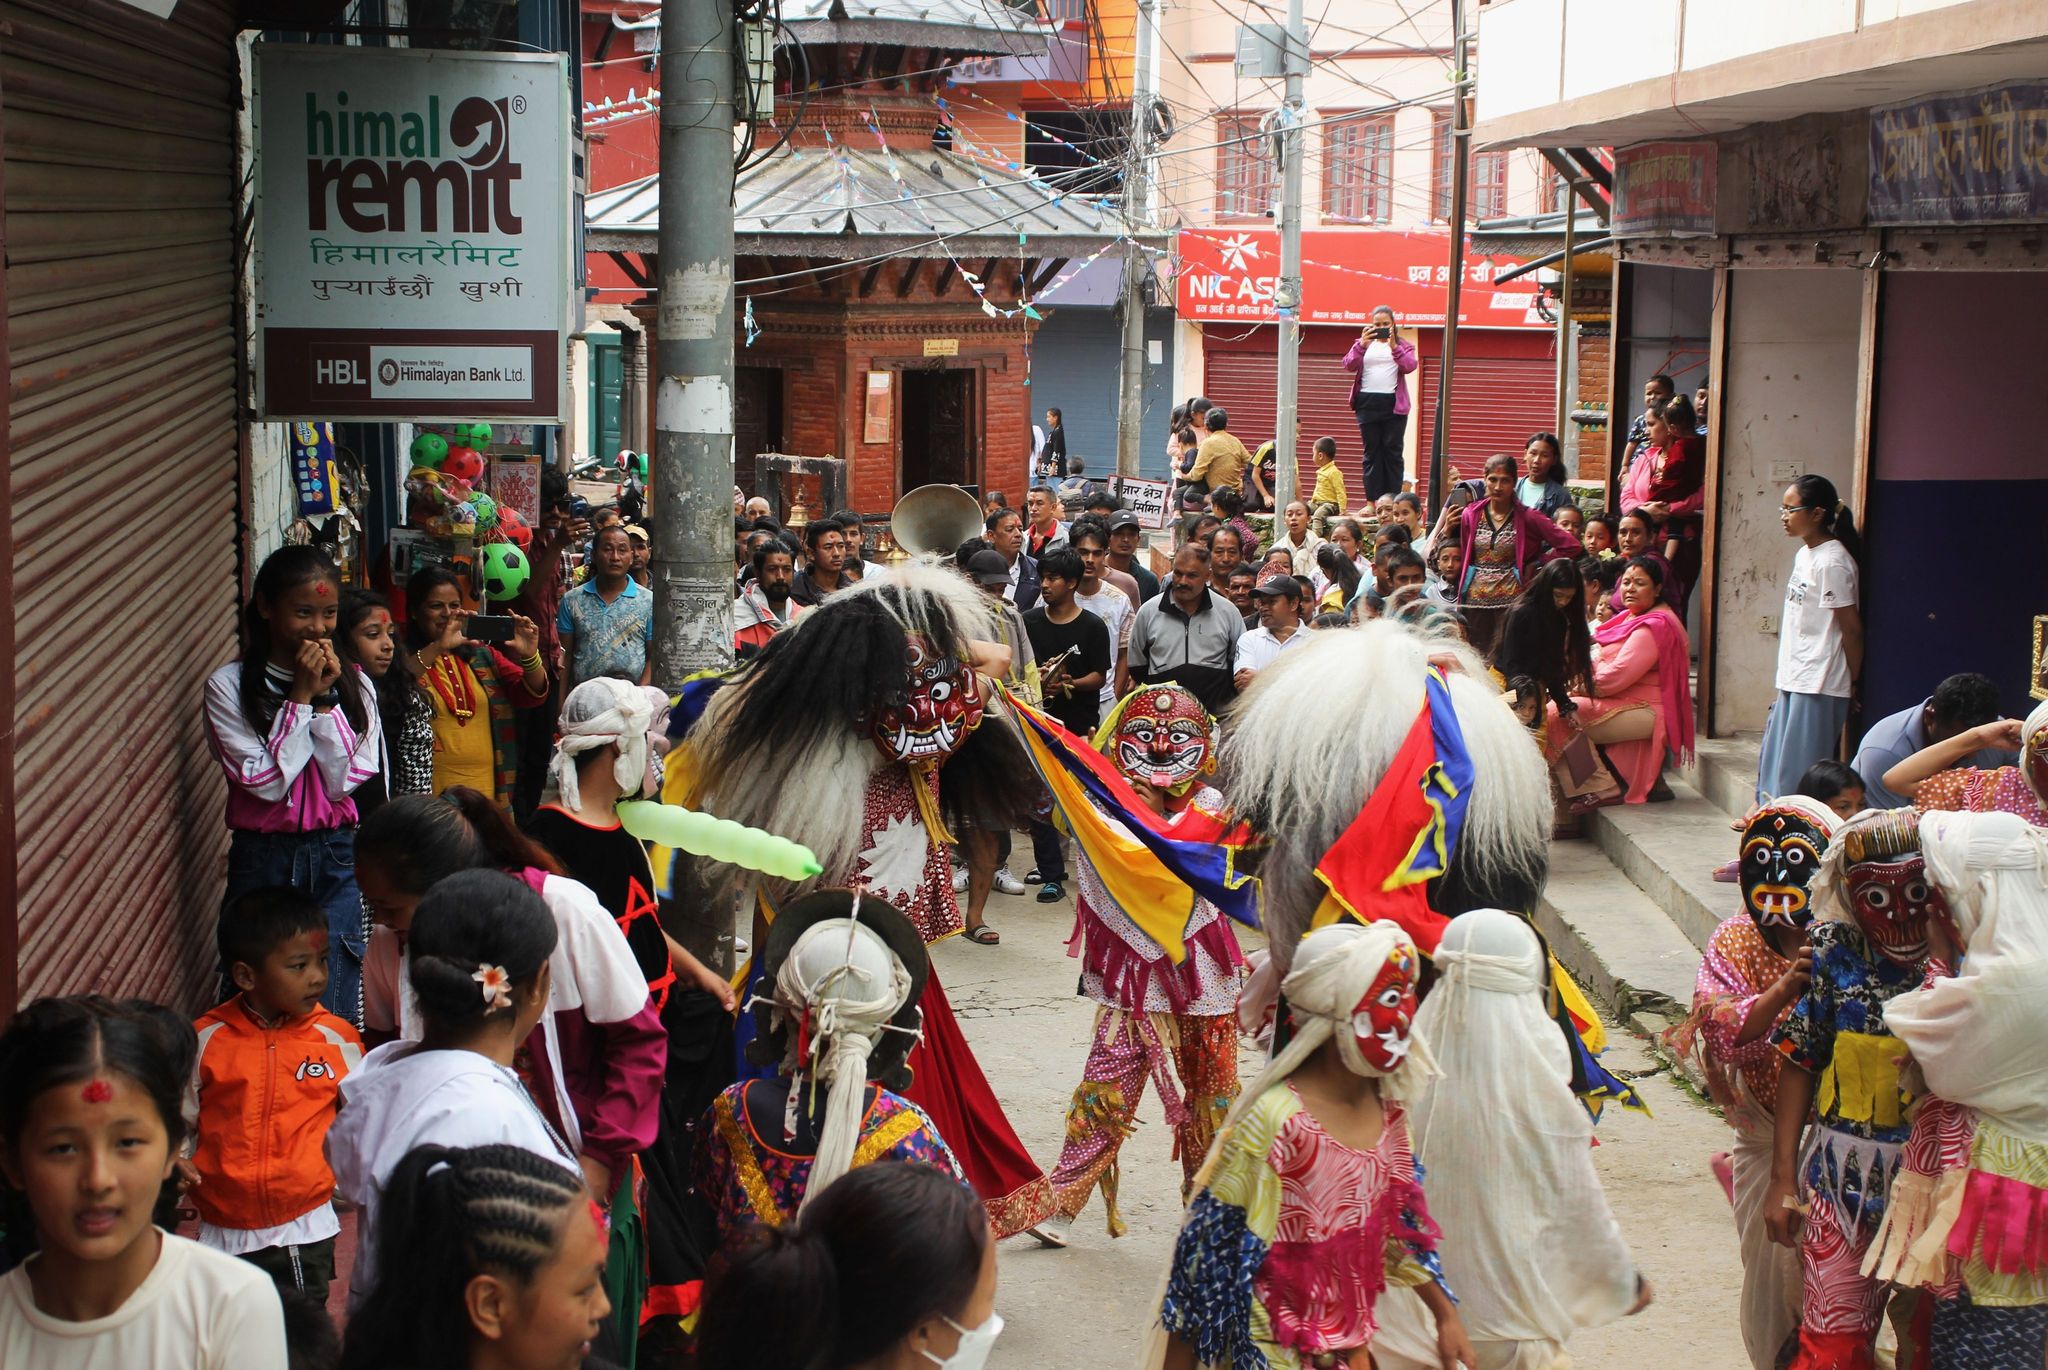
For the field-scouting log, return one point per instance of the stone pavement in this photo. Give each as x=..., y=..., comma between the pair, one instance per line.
x=1089, y=1305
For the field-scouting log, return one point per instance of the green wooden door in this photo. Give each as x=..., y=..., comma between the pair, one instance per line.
x=607, y=394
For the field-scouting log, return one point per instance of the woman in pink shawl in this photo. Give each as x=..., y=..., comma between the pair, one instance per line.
x=1642, y=694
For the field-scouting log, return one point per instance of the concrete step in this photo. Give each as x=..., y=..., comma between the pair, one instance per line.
x=1630, y=959
x=1724, y=771
x=1669, y=852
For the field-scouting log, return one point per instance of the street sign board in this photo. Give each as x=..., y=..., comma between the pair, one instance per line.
x=1227, y=275
x=412, y=255
x=1145, y=498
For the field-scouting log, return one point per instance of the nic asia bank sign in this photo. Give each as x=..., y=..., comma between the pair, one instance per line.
x=412, y=233
x=1227, y=275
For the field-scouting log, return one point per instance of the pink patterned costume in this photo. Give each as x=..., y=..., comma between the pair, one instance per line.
x=1154, y=1018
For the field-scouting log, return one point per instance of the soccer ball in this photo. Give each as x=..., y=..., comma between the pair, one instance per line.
x=464, y=463
x=486, y=511
x=477, y=435
x=429, y=450
x=504, y=569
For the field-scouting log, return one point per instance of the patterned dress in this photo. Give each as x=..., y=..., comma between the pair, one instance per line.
x=1837, y=1033
x=1967, y=789
x=1286, y=1250
x=748, y=1180
x=1154, y=1020
x=900, y=862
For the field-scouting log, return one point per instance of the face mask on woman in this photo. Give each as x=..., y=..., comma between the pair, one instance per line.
x=976, y=1343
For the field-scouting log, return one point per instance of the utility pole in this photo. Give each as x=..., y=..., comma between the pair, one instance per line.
x=691, y=495
x=1130, y=420
x=1287, y=291
x=1564, y=314
x=693, y=408
x=1461, y=167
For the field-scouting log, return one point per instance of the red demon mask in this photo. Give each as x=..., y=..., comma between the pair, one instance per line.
x=1385, y=1016
x=1894, y=905
x=1164, y=738
x=936, y=710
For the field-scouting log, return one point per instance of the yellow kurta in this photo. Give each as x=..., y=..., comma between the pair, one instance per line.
x=463, y=754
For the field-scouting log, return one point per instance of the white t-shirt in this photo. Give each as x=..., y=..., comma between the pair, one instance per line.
x=1378, y=372
x=404, y=1096
x=197, y=1310
x=1810, y=656
x=1258, y=648
x=1116, y=611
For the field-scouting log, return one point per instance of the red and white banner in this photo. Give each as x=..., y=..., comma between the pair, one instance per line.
x=1227, y=275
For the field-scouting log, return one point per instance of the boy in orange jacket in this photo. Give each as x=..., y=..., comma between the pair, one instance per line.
x=266, y=1089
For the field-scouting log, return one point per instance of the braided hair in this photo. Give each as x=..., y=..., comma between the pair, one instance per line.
x=450, y=1215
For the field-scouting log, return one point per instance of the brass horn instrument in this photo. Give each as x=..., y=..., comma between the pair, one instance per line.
x=933, y=520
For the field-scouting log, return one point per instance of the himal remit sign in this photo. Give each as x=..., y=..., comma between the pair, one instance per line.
x=412, y=233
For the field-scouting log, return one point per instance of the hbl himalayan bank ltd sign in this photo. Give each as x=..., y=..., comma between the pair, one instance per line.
x=412, y=233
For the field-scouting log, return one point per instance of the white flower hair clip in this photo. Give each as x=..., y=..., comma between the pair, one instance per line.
x=497, y=985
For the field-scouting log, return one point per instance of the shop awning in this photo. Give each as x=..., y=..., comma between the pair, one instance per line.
x=963, y=26
x=847, y=203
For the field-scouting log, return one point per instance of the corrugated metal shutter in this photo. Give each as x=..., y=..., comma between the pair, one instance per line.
x=1076, y=362
x=123, y=466
x=1497, y=403
x=1239, y=375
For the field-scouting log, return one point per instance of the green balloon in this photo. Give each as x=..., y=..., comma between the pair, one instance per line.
x=721, y=839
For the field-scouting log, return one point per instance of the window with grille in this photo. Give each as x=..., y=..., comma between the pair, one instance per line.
x=1247, y=180
x=1358, y=169
x=1486, y=189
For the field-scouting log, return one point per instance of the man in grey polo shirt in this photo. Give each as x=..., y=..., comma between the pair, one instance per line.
x=1958, y=704
x=1188, y=634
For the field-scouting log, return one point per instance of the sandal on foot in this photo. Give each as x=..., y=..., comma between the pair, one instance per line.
x=984, y=936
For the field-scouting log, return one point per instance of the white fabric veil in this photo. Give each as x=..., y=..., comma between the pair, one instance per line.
x=1977, y=1035
x=1529, y=1243
x=598, y=713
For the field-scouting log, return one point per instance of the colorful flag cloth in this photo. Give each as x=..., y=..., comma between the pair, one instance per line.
x=1405, y=834
x=1152, y=867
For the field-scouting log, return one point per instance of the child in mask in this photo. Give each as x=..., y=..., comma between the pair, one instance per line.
x=1310, y=1203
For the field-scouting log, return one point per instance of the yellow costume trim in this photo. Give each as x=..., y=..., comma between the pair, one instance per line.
x=1861, y=1083
x=883, y=1139
x=752, y=1181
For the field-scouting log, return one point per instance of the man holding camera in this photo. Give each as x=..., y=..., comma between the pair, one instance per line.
x=1379, y=363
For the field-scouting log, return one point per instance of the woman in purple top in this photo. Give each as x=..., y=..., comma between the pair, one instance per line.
x=1379, y=363
x=1501, y=540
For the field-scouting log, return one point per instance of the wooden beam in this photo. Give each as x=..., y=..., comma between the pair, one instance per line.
x=1044, y=278
x=1710, y=534
x=867, y=282
x=634, y=264
x=988, y=275
x=945, y=280
x=911, y=267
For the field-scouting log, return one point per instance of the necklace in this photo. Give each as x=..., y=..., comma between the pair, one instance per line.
x=451, y=683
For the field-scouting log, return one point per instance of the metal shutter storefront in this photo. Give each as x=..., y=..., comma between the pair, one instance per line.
x=1506, y=389
x=123, y=470
x=1076, y=365
x=1238, y=373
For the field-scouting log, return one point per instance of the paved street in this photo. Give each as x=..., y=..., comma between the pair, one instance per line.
x=1087, y=1306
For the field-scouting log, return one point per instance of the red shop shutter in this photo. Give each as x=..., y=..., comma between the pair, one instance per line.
x=123, y=457
x=1241, y=379
x=1497, y=403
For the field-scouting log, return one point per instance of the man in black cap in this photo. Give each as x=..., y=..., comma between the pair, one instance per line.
x=1278, y=596
x=1125, y=533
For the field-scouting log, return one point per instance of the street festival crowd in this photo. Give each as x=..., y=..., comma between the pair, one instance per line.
x=466, y=1101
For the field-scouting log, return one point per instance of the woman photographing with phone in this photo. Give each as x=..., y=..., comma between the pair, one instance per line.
x=1379, y=362
x=474, y=686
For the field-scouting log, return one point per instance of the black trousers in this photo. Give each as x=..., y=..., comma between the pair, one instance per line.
x=1381, y=430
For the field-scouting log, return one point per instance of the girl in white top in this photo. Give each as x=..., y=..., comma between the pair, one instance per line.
x=478, y=965
x=90, y=1124
x=1820, y=638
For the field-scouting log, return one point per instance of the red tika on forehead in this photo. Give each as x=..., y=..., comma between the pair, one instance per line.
x=96, y=1092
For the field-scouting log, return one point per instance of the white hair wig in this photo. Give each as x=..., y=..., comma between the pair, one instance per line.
x=1305, y=746
x=784, y=747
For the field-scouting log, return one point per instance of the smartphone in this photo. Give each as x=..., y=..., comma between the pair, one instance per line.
x=1381, y=333
x=490, y=628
